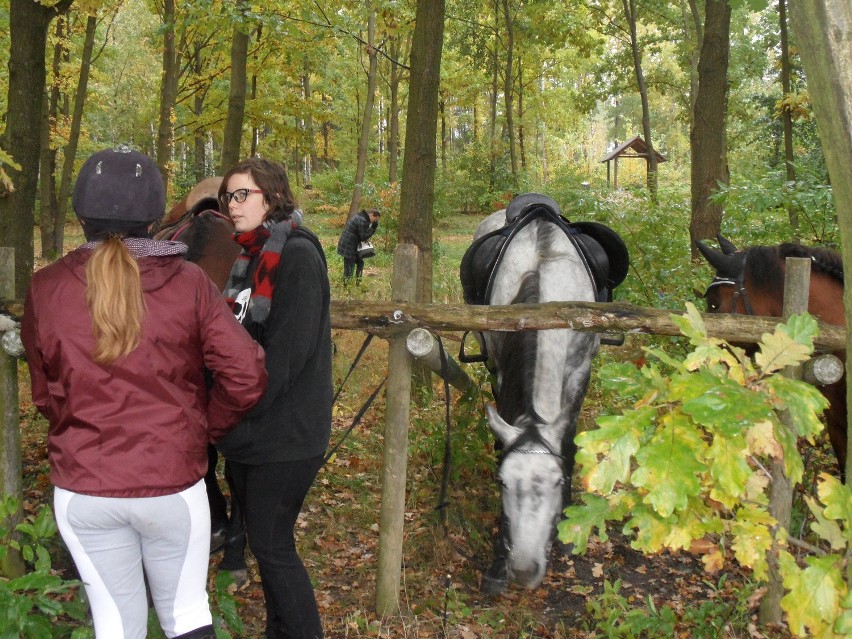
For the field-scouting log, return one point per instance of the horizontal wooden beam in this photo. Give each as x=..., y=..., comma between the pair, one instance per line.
x=387, y=319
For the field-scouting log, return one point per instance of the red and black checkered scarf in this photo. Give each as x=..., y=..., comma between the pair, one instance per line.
x=267, y=240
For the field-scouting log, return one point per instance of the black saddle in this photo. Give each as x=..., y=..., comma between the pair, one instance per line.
x=604, y=252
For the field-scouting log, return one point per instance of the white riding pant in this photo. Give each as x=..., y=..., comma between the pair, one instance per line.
x=114, y=539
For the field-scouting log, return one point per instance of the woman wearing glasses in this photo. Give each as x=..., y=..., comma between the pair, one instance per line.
x=279, y=291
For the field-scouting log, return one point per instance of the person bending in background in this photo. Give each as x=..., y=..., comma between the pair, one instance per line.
x=359, y=228
x=118, y=334
x=280, y=292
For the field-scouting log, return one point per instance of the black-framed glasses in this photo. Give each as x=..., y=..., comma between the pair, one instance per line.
x=239, y=196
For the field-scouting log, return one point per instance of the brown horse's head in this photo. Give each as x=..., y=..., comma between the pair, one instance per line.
x=752, y=282
x=727, y=292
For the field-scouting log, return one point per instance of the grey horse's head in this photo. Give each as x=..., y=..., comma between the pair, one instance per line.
x=531, y=477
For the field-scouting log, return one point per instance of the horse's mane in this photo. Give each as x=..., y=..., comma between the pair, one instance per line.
x=765, y=263
x=518, y=352
x=197, y=236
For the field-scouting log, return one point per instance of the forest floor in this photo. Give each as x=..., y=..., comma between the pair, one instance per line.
x=590, y=595
x=610, y=591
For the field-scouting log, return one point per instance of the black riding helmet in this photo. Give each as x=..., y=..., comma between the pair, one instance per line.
x=118, y=191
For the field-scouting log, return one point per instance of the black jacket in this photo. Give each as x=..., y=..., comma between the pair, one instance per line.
x=292, y=421
x=358, y=229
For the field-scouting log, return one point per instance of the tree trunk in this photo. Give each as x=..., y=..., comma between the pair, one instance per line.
x=237, y=94
x=415, y=230
x=508, y=92
x=393, y=133
x=198, y=136
x=168, y=94
x=366, y=129
x=696, y=35
x=70, y=153
x=492, y=125
x=418, y=188
x=631, y=17
x=707, y=139
x=823, y=29
x=47, y=171
x=28, y=24
x=786, y=115
x=521, y=148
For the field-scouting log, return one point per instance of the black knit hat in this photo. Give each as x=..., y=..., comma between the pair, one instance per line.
x=119, y=188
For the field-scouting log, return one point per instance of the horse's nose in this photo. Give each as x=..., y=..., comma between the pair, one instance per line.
x=528, y=576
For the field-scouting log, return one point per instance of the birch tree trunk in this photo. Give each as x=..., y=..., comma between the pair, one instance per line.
x=69, y=154
x=168, y=94
x=366, y=128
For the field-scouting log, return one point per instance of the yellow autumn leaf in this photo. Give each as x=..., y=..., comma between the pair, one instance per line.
x=761, y=440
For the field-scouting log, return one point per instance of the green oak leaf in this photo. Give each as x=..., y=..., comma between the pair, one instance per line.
x=812, y=602
x=691, y=324
x=752, y=538
x=837, y=498
x=793, y=466
x=581, y=521
x=826, y=528
x=802, y=328
x=670, y=465
x=804, y=402
x=729, y=469
x=650, y=529
x=727, y=409
x=622, y=377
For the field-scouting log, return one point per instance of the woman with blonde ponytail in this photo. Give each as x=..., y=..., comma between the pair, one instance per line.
x=118, y=335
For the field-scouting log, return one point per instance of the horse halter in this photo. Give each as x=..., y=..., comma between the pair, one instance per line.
x=740, y=292
x=530, y=435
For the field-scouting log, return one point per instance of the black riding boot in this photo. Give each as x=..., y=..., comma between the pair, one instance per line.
x=235, y=539
x=205, y=632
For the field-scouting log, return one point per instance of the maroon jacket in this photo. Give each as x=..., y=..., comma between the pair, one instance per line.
x=138, y=427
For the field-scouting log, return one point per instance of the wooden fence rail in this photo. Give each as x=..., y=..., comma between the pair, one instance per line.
x=388, y=319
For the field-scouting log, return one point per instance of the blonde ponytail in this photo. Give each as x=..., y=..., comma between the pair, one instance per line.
x=114, y=296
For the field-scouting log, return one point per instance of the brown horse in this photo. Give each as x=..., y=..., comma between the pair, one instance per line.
x=197, y=222
x=752, y=282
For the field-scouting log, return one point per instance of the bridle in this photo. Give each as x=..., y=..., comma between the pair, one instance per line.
x=540, y=447
x=740, y=292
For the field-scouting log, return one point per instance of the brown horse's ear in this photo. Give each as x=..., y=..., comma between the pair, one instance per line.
x=722, y=262
x=726, y=245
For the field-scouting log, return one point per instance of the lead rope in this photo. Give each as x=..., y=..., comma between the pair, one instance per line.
x=443, y=502
x=448, y=444
x=363, y=409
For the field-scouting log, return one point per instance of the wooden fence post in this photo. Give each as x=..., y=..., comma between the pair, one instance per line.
x=10, y=432
x=397, y=403
x=796, y=291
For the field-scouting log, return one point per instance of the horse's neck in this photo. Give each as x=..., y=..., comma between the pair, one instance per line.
x=826, y=299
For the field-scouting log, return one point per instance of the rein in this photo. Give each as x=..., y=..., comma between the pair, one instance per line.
x=365, y=406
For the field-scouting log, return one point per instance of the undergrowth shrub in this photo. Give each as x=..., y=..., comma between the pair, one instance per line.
x=684, y=465
x=39, y=604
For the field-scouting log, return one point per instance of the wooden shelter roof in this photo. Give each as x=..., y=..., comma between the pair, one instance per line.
x=637, y=145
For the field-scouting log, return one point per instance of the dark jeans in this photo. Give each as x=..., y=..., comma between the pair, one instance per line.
x=349, y=265
x=271, y=496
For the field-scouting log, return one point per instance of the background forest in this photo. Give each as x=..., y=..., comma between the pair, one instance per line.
x=533, y=95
